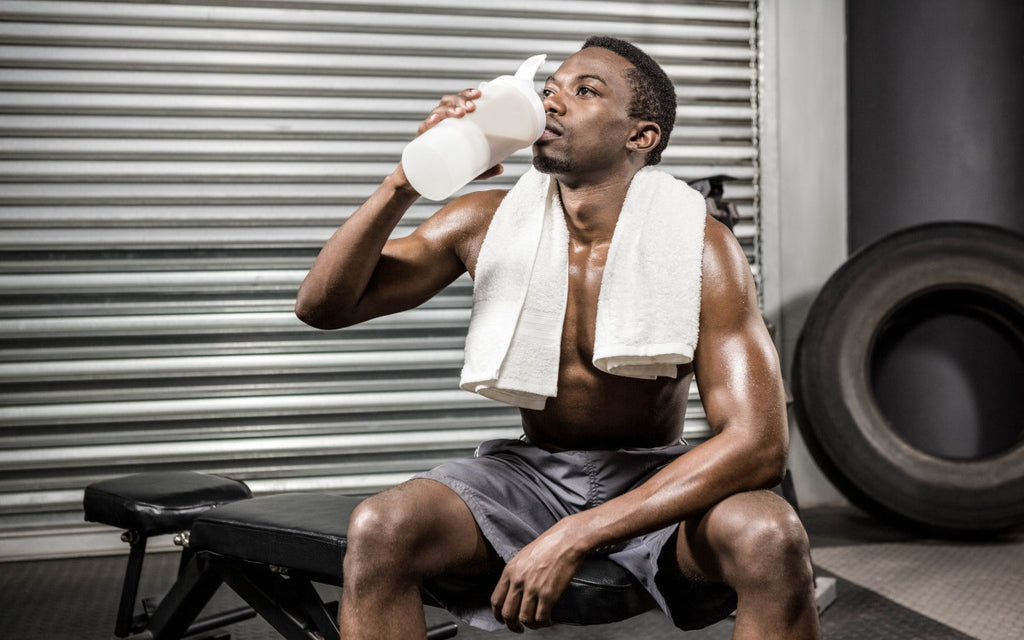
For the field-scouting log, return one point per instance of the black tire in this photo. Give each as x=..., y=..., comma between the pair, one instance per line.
x=890, y=282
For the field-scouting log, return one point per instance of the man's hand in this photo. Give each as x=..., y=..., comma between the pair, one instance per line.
x=457, y=106
x=451, y=106
x=534, y=579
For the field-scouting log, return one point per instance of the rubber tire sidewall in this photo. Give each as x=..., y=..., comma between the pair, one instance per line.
x=837, y=414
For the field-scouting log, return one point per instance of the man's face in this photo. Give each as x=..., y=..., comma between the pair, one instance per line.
x=587, y=105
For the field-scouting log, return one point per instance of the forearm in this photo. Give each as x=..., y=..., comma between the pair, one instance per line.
x=727, y=464
x=338, y=279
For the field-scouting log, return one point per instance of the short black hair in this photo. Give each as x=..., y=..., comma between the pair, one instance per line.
x=654, y=95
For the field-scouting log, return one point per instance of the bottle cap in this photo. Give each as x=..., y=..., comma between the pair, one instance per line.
x=523, y=80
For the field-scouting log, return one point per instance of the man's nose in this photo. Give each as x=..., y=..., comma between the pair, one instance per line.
x=552, y=104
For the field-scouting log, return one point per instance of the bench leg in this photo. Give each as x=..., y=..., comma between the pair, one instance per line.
x=125, y=623
x=195, y=585
x=290, y=605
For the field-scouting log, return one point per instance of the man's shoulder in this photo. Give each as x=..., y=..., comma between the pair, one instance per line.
x=728, y=292
x=471, y=214
x=721, y=248
x=469, y=209
x=724, y=261
x=480, y=202
x=464, y=222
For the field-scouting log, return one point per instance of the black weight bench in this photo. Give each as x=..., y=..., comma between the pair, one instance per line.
x=271, y=551
x=151, y=504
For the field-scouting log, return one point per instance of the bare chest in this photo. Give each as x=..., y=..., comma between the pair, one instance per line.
x=594, y=409
x=586, y=270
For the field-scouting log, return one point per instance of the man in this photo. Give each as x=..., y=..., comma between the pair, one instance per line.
x=717, y=535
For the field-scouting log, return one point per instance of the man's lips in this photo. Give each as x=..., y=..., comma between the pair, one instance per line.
x=551, y=131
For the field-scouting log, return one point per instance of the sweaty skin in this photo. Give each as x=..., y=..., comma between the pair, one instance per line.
x=592, y=147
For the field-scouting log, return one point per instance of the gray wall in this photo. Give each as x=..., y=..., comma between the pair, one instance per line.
x=171, y=169
x=936, y=114
x=935, y=97
x=803, y=179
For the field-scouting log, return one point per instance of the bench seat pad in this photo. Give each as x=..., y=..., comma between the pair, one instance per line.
x=306, y=532
x=300, y=531
x=161, y=502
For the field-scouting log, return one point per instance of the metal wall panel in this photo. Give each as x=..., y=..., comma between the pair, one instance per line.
x=168, y=172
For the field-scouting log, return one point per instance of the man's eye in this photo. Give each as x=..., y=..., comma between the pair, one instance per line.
x=544, y=93
x=585, y=91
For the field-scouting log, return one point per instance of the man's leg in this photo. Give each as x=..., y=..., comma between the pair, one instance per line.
x=396, y=539
x=755, y=543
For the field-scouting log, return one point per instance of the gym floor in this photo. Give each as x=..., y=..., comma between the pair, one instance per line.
x=890, y=585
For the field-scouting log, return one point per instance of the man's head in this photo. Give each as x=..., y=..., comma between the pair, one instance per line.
x=654, y=96
x=608, y=106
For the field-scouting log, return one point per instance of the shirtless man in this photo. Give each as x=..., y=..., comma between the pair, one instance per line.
x=732, y=530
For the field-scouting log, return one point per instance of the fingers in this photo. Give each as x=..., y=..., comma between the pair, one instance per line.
x=498, y=598
x=452, y=106
x=516, y=607
x=496, y=170
x=530, y=614
x=505, y=603
x=542, y=613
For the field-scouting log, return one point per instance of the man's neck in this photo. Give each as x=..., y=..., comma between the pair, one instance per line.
x=592, y=208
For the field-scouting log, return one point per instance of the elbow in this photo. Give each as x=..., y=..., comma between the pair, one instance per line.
x=762, y=454
x=776, y=473
x=308, y=314
x=772, y=462
x=313, y=312
x=764, y=460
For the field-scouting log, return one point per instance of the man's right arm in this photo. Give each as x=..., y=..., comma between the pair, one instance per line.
x=357, y=275
x=361, y=274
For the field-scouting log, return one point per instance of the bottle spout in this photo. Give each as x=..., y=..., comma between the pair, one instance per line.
x=528, y=69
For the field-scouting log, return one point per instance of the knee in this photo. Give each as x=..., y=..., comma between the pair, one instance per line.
x=381, y=525
x=382, y=542
x=381, y=546
x=767, y=545
x=780, y=541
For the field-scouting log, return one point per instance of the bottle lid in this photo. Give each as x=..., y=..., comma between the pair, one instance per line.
x=528, y=69
x=523, y=80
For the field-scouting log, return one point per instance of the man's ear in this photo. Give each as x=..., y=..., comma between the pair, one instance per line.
x=644, y=137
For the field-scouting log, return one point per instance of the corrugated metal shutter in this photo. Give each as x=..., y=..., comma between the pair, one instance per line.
x=169, y=172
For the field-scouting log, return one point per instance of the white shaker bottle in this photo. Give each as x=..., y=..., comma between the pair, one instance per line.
x=509, y=116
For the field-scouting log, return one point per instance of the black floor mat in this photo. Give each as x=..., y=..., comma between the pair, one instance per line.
x=77, y=599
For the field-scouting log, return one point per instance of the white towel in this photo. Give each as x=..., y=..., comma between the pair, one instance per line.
x=649, y=303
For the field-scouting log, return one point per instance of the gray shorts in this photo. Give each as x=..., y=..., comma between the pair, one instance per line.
x=516, y=491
